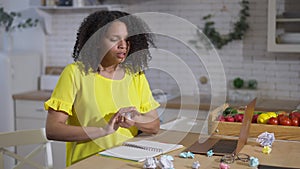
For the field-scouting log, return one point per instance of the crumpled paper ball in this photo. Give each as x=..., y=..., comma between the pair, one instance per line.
x=224, y=166
x=169, y=157
x=196, y=165
x=210, y=153
x=253, y=162
x=266, y=139
x=127, y=115
x=187, y=155
x=267, y=150
x=150, y=163
x=165, y=162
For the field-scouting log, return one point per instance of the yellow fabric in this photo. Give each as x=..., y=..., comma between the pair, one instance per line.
x=91, y=100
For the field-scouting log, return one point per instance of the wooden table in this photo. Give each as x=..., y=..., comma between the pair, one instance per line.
x=284, y=153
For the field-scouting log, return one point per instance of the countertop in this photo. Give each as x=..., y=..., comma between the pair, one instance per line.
x=186, y=102
x=262, y=104
x=37, y=95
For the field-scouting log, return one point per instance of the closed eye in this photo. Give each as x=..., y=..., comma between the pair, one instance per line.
x=114, y=39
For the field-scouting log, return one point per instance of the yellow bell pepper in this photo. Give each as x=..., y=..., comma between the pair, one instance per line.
x=272, y=114
x=263, y=118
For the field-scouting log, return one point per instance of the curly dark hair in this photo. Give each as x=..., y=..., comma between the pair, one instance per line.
x=93, y=28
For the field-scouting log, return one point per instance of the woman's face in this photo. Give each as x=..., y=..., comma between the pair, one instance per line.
x=115, y=43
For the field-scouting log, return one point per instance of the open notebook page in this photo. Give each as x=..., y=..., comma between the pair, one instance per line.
x=140, y=150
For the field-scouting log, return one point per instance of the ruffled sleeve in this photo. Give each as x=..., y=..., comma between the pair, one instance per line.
x=64, y=93
x=151, y=105
x=59, y=105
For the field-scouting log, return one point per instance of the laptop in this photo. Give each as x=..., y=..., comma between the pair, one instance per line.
x=222, y=146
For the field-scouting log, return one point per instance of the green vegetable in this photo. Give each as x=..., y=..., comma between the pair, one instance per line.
x=238, y=83
x=257, y=112
x=252, y=84
x=240, y=111
x=229, y=111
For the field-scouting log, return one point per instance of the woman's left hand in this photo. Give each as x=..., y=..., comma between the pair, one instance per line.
x=128, y=116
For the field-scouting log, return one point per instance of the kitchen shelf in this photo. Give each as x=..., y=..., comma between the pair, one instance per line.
x=279, y=25
x=46, y=12
x=76, y=9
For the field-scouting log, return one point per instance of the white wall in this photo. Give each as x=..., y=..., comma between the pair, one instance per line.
x=15, y=4
x=16, y=66
x=6, y=102
x=30, y=39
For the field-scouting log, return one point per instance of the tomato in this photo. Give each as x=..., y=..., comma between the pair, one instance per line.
x=229, y=118
x=280, y=117
x=295, y=121
x=239, y=117
x=286, y=121
x=296, y=111
x=254, y=118
x=273, y=121
x=221, y=118
x=294, y=114
x=282, y=113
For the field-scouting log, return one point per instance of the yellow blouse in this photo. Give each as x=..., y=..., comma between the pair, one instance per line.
x=91, y=100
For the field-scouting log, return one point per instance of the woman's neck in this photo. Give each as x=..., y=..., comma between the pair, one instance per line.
x=108, y=69
x=114, y=72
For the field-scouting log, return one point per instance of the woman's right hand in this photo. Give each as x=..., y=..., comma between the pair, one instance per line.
x=128, y=116
x=113, y=124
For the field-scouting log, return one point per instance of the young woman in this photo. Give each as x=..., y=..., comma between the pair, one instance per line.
x=103, y=98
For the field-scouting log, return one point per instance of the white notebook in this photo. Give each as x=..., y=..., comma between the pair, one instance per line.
x=140, y=150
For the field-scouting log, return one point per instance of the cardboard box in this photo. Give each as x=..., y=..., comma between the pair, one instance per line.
x=233, y=128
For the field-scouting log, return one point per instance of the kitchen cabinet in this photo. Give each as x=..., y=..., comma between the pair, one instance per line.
x=30, y=114
x=283, y=26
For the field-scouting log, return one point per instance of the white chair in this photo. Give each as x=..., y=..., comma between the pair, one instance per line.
x=36, y=137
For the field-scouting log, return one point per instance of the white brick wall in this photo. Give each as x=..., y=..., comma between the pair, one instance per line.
x=278, y=74
x=61, y=41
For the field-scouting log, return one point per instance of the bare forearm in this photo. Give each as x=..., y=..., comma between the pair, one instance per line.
x=57, y=129
x=63, y=132
x=148, y=123
x=151, y=127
